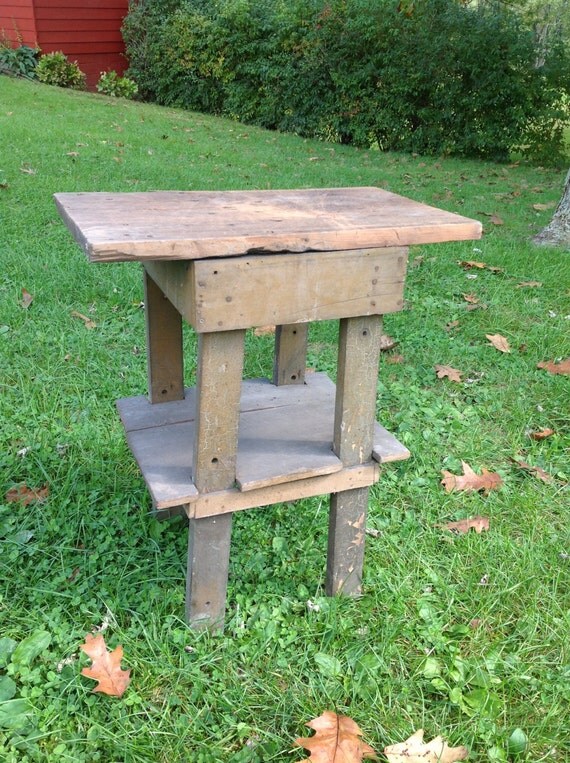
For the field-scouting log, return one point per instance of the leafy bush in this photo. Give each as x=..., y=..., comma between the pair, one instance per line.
x=121, y=87
x=56, y=69
x=441, y=77
x=19, y=62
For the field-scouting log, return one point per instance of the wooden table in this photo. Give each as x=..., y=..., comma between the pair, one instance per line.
x=228, y=261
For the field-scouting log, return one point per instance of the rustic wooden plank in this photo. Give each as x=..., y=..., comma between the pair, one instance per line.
x=224, y=501
x=218, y=388
x=159, y=435
x=190, y=225
x=239, y=292
x=355, y=406
x=290, y=358
x=165, y=363
x=284, y=444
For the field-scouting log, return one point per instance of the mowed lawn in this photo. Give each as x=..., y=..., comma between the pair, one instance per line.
x=464, y=635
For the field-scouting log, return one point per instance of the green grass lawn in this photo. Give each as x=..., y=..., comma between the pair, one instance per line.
x=467, y=636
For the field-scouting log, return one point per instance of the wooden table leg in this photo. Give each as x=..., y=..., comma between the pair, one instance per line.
x=290, y=354
x=218, y=387
x=355, y=409
x=165, y=363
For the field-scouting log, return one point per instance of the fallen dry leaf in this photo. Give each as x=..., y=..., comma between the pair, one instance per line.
x=387, y=343
x=469, y=481
x=498, y=342
x=544, y=207
x=106, y=667
x=536, y=471
x=27, y=299
x=89, y=324
x=529, y=285
x=451, y=325
x=464, y=525
x=337, y=740
x=471, y=298
x=453, y=374
x=556, y=368
x=394, y=359
x=542, y=434
x=415, y=750
x=470, y=264
x=26, y=495
x=496, y=220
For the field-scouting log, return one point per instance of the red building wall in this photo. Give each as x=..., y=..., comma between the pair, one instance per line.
x=87, y=31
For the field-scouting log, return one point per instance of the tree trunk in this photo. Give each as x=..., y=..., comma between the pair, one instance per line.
x=557, y=232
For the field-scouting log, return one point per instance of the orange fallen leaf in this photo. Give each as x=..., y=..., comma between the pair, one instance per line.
x=106, y=667
x=27, y=299
x=541, y=434
x=26, y=495
x=89, y=324
x=464, y=525
x=453, y=374
x=556, y=368
x=536, y=471
x=469, y=481
x=337, y=740
x=415, y=750
x=498, y=342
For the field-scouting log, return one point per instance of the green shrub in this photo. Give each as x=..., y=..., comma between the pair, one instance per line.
x=56, y=69
x=19, y=62
x=110, y=83
x=441, y=78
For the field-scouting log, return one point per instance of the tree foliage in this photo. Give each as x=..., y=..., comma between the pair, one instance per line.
x=432, y=77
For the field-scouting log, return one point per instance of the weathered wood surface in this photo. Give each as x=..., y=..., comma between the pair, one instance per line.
x=224, y=501
x=290, y=359
x=188, y=225
x=165, y=363
x=353, y=441
x=214, y=457
x=257, y=290
x=161, y=438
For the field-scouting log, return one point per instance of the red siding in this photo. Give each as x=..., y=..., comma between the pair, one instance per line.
x=87, y=31
x=17, y=22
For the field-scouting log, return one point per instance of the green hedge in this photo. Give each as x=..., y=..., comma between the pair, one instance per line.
x=439, y=78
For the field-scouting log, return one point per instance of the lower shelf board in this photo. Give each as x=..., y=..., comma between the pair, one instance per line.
x=284, y=447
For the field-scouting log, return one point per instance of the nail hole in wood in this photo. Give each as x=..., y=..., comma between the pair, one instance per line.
x=293, y=377
x=214, y=460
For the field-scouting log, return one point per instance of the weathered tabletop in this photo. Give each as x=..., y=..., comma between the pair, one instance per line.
x=189, y=225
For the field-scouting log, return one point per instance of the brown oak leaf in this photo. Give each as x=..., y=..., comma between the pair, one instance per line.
x=498, y=342
x=106, y=667
x=89, y=324
x=541, y=434
x=469, y=481
x=26, y=495
x=27, y=299
x=556, y=368
x=415, y=750
x=464, y=525
x=536, y=471
x=453, y=374
x=337, y=740
x=471, y=264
